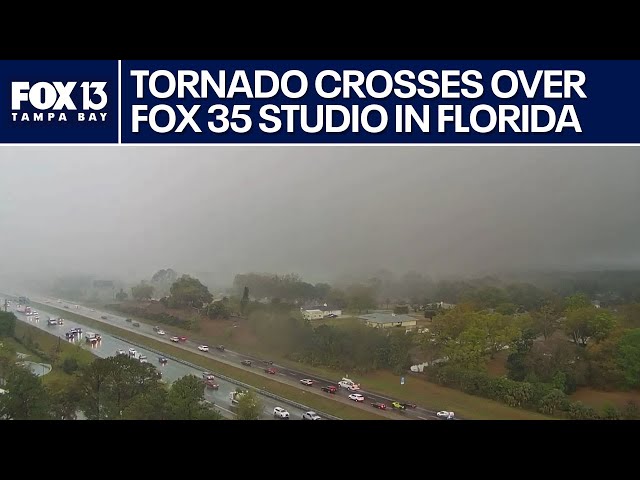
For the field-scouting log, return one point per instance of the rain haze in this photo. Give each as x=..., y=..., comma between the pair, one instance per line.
x=320, y=212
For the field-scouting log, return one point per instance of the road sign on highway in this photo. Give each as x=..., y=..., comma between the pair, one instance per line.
x=401, y=380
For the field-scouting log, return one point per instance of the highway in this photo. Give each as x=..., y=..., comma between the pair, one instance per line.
x=284, y=374
x=172, y=371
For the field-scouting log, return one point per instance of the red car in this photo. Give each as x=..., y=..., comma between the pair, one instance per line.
x=182, y=339
x=329, y=389
x=211, y=385
x=379, y=405
x=271, y=371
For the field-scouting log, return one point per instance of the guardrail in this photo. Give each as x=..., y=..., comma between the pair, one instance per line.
x=232, y=380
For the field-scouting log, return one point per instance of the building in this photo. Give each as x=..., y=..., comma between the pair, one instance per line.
x=313, y=314
x=326, y=310
x=388, y=320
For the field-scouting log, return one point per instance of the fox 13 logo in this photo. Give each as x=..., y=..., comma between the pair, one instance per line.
x=58, y=102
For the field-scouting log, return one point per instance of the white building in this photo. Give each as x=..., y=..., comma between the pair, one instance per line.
x=313, y=314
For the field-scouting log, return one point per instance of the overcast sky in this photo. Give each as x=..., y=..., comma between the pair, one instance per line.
x=317, y=211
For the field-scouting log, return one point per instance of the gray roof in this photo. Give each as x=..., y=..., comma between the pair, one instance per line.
x=386, y=318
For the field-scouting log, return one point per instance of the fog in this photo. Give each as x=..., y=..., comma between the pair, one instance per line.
x=125, y=212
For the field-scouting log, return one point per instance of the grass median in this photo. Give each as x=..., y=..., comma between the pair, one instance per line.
x=48, y=344
x=311, y=399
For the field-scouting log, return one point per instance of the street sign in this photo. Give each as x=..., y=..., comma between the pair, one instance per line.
x=401, y=380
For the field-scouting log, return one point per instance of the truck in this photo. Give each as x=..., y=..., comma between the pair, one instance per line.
x=348, y=384
x=236, y=396
x=52, y=321
x=23, y=309
x=92, y=337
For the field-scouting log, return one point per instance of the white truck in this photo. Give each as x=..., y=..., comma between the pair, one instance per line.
x=348, y=384
x=235, y=397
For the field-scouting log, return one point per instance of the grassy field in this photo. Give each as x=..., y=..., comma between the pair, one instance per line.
x=419, y=391
x=49, y=343
x=598, y=399
x=311, y=399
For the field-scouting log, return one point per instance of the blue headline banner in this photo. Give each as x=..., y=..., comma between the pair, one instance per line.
x=338, y=102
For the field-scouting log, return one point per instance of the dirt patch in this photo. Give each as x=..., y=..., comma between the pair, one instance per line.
x=598, y=399
x=497, y=366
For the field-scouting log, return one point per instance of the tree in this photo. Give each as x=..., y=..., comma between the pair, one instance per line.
x=7, y=324
x=7, y=360
x=121, y=296
x=142, y=291
x=189, y=292
x=69, y=365
x=249, y=407
x=218, y=310
x=322, y=291
x=186, y=400
x=151, y=405
x=360, y=297
x=245, y=300
x=545, y=321
x=25, y=397
x=585, y=323
x=63, y=398
x=108, y=385
x=628, y=358
x=577, y=301
x=401, y=309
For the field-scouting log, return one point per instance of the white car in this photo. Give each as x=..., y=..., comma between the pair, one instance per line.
x=307, y=382
x=349, y=386
x=203, y=348
x=132, y=352
x=142, y=358
x=280, y=412
x=311, y=416
x=120, y=352
x=356, y=397
x=160, y=332
x=174, y=339
x=446, y=415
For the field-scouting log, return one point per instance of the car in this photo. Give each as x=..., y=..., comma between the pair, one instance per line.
x=136, y=324
x=174, y=339
x=208, y=376
x=162, y=360
x=212, y=385
x=132, y=352
x=307, y=382
x=379, y=405
x=160, y=332
x=120, y=352
x=76, y=330
x=332, y=315
x=221, y=348
x=329, y=389
x=356, y=397
x=93, y=309
x=270, y=371
x=445, y=415
x=182, y=339
x=311, y=416
x=128, y=320
x=410, y=405
x=268, y=362
x=61, y=321
x=398, y=406
x=156, y=328
x=246, y=363
x=280, y=412
x=104, y=317
x=142, y=358
x=203, y=348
